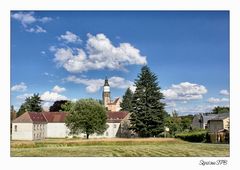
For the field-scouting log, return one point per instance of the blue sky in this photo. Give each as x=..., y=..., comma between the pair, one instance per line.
x=66, y=55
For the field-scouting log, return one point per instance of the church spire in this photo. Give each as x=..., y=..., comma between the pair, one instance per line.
x=106, y=82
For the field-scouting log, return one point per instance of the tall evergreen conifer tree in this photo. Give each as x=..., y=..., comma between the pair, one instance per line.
x=126, y=104
x=147, y=114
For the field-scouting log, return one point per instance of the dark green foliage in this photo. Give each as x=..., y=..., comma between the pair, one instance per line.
x=87, y=116
x=186, y=122
x=67, y=106
x=21, y=110
x=57, y=106
x=100, y=101
x=219, y=109
x=173, y=123
x=177, y=124
x=126, y=104
x=147, y=118
x=193, y=136
x=31, y=104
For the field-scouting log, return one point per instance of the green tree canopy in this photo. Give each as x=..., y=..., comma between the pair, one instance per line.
x=87, y=116
x=126, y=104
x=220, y=109
x=147, y=114
x=31, y=104
x=67, y=106
x=57, y=106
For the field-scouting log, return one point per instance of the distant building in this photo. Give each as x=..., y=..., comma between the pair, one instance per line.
x=219, y=128
x=200, y=120
x=113, y=106
x=209, y=121
x=219, y=123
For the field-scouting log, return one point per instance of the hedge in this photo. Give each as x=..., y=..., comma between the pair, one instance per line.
x=193, y=136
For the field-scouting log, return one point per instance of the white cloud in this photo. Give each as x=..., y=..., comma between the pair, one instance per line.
x=100, y=54
x=24, y=96
x=43, y=52
x=57, y=89
x=28, y=18
x=45, y=19
x=94, y=85
x=48, y=74
x=70, y=37
x=46, y=106
x=185, y=91
x=194, y=109
x=19, y=87
x=170, y=104
x=217, y=100
x=52, y=96
x=37, y=29
x=24, y=18
x=74, y=100
x=224, y=92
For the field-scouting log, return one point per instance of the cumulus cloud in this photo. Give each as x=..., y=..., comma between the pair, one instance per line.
x=184, y=91
x=194, y=109
x=217, y=100
x=45, y=19
x=93, y=85
x=24, y=18
x=52, y=96
x=37, y=29
x=224, y=92
x=57, y=89
x=70, y=37
x=24, y=96
x=100, y=54
x=19, y=87
x=28, y=18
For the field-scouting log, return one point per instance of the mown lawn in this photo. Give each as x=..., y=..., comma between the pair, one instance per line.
x=153, y=147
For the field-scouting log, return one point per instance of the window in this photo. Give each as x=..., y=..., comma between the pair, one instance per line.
x=34, y=127
x=15, y=128
x=114, y=125
x=106, y=133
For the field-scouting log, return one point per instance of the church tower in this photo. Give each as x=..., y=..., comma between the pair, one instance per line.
x=106, y=93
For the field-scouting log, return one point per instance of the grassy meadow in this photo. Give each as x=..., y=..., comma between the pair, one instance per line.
x=150, y=147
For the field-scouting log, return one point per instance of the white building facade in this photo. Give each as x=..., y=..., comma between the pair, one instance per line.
x=41, y=125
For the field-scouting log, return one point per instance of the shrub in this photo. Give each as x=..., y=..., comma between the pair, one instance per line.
x=193, y=136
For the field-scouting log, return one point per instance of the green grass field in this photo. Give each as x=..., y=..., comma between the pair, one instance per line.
x=157, y=147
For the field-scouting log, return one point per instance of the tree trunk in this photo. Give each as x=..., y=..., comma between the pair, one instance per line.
x=87, y=135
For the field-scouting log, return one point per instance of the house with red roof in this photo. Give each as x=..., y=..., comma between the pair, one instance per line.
x=41, y=125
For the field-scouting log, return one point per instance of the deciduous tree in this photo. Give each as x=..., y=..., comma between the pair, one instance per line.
x=87, y=116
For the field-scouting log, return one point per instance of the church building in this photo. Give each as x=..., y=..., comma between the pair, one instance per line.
x=113, y=106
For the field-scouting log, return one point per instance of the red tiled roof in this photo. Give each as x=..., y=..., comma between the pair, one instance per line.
x=30, y=117
x=55, y=116
x=116, y=115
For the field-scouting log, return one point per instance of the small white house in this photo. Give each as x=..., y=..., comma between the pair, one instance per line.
x=41, y=125
x=29, y=126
